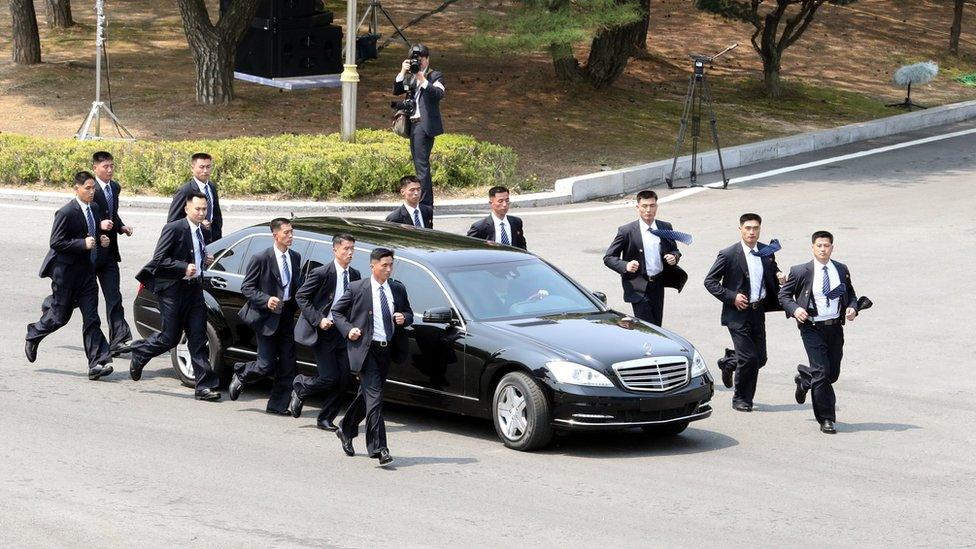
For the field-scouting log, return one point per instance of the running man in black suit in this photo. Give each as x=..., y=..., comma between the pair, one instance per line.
x=174, y=274
x=412, y=212
x=201, y=165
x=647, y=263
x=806, y=296
x=316, y=328
x=107, y=193
x=746, y=279
x=70, y=263
x=372, y=314
x=499, y=226
x=270, y=282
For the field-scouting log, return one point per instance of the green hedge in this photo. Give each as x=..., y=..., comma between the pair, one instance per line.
x=298, y=166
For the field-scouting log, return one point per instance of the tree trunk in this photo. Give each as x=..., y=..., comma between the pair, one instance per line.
x=26, y=47
x=610, y=51
x=771, y=81
x=566, y=66
x=640, y=38
x=956, y=29
x=59, y=14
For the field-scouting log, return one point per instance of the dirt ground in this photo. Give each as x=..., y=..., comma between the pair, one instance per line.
x=839, y=72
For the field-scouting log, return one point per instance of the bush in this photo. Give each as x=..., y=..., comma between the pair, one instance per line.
x=294, y=166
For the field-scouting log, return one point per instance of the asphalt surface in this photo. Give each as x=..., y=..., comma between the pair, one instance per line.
x=120, y=463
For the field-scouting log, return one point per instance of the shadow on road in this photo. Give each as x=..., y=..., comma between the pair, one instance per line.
x=188, y=394
x=635, y=443
x=873, y=426
x=401, y=462
x=760, y=407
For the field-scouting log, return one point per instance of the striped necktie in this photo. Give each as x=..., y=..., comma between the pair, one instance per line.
x=416, y=218
x=826, y=285
x=93, y=254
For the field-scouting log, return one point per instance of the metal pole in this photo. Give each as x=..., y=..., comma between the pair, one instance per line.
x=350, y=76
x=99, y=37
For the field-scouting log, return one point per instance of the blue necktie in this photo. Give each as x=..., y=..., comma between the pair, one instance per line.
x=109, y=198
x=210, y=203
x=769, y=249
x=285, y=271
x=416, y=219
x=387, y=315
x=505, y=240
x=345, y=280
x=677, y=236
x=200, y=249
x=92, y=232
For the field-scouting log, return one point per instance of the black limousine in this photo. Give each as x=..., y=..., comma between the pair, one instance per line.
x=498, y=333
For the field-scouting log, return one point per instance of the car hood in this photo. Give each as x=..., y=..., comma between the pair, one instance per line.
x=596, y=339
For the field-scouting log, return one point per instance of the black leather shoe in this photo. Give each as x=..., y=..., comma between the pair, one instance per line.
x=207, y=394
x=236, y=386
x=121, y=349
x=135, y=369
x=827, y=427
x=741, y=407
x=384, y=457
x=296, y=404
x=327, y=425
x=727, y=378
x=101, y=370
x=346, y=443
x=30, y=349
x=801, y=393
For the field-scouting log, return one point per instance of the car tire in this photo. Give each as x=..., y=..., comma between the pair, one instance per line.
x=521, y=413
x=180, y=355
x=666, y=430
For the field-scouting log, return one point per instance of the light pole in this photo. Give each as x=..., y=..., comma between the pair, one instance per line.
x=350, y=76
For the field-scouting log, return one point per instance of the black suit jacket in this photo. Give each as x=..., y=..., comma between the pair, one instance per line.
x=797, y=291
x=729, y=276
x=401, y=215
x=262, y=281
x=628, y=246
x=68, y=235
x=113, y=235
x=315, y=299
x=174, y=251
x=177, y=208
x=355, y=310
x=484, y=229
x=430, y=97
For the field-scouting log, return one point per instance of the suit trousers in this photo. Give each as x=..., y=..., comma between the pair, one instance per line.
x=75, y=290
x=275, y=360
x=651, y=307
x=181, y=309
x=332, y=380
x=421, y=144
x=368, y=403
x=749, y=340
x=825, y=348
x=108, y=278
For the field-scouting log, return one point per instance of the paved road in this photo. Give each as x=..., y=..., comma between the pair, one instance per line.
x=119, y=463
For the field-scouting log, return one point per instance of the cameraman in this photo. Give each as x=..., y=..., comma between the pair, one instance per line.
x=426, y=88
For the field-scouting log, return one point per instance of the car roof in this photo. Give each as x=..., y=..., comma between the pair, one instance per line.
x=433, y=247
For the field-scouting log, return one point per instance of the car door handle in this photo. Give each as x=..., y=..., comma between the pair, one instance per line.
x=218, y=282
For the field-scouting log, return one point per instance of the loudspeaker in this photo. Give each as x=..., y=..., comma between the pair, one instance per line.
x=291, y=47
x=366, y=47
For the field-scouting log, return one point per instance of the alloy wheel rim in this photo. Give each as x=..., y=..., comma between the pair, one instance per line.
x=183, y=358
x=512, y=413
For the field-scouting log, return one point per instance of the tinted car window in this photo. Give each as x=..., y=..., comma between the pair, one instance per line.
x=360, y=262
x=321, y=254
x=422, y=291
x=232, y=261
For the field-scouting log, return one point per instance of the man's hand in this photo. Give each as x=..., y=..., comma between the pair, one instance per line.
x=632, y=266
x=405, y=67
x=208, y=261
x=127, y=230
x=191, y=270
x=851, y=314
x=399, y=319
x=781, y=277
x=89, y=242
x=355, y=334
x=104, y=241
x=801, y=314
x=273, y=303
x=670, y=259
x=741, y=302
x=205, y=224
x=106, y=225
x=325, y=324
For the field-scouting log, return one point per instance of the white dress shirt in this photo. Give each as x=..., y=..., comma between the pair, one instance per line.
x=825, y=312
x=203, y=187
x=652, y=249
x=417, y=112
x=103, y=184
x=757, y=292
x=410, y=211
x=379, y=331
x=498, y=228
x=338, y=286
x=197, y=259
x=85, y=208
x=283, y=260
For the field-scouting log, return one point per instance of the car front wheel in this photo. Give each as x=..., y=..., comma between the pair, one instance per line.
x=521, y=413
x=183, y=366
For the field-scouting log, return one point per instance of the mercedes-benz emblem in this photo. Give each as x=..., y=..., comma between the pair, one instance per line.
x=648, y=351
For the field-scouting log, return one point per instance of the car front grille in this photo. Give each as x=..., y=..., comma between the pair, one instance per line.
x=658, y=374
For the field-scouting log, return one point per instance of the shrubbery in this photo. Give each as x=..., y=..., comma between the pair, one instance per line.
x=296, y=166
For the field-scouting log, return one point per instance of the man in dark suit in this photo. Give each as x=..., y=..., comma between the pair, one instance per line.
x=270, y=282
x=807, y=296
x=647, y=263
x=746, y=279
x=316, y=328
x=174, y=275
x=201, y=165
x=426, y=88
x=70, y=264
x=372, y=314
x=499, y=226
x=107, y=270
x=412, y=212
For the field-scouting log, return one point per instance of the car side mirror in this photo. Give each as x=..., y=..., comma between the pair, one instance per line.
x=439, y=315
x=601, y=296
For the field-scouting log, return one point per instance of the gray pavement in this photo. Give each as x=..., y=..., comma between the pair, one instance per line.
x=119, y=463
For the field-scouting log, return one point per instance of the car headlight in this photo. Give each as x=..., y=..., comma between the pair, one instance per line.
x=577, y=374
x=698, y=366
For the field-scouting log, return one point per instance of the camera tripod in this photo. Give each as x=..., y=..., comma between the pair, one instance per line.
x=372, y=14
x=698, y=96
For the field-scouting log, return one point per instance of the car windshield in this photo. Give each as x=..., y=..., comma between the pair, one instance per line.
x=516, y=289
